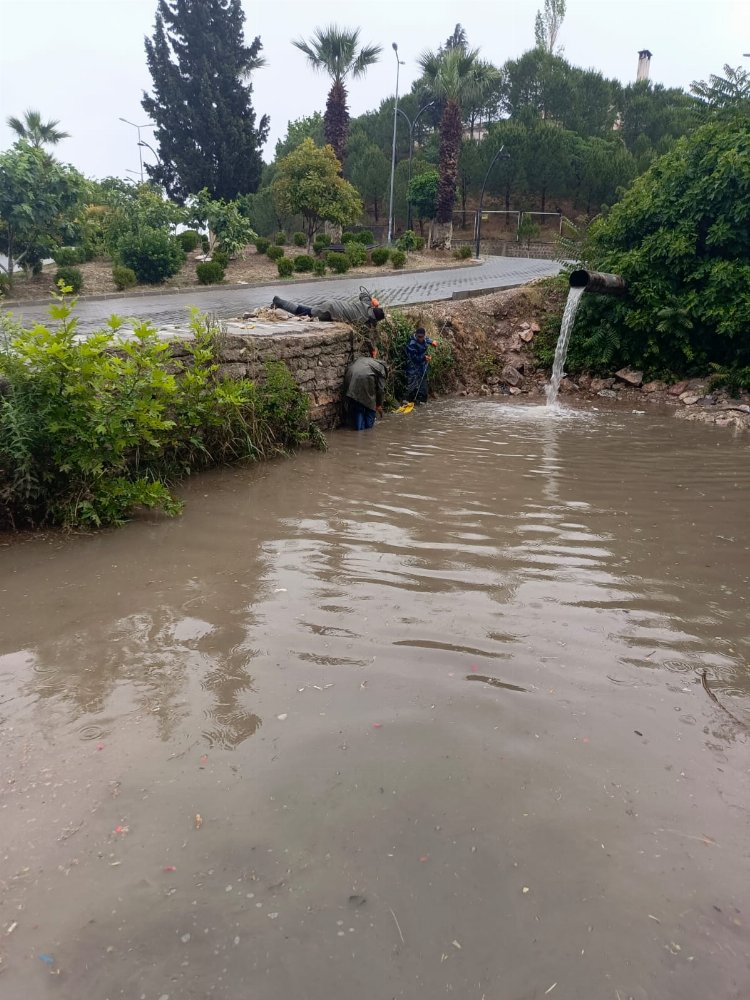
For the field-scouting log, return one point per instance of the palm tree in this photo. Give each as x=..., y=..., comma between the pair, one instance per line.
x=35, y=131
x=454, y=76
x=334, y=50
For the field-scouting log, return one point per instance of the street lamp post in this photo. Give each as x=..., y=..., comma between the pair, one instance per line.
x=411, y=125
x=498, y=154
x=140, y=144
x=399, y=64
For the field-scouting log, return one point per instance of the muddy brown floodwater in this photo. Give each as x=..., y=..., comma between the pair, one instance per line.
x=241, y=759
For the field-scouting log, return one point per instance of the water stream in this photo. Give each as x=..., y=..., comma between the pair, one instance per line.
x=418, y=717
x=561, y=351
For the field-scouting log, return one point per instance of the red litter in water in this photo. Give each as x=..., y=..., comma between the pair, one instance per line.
x=474, y=668
x=377, y=725
x=121, y=829
x=204, y=758
x=169, y=868
x=100, y=746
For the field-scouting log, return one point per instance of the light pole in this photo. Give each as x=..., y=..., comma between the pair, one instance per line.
x=140, y=143
x=399, y=64
x=411, y=125
x=498, y=154
x=138, y=128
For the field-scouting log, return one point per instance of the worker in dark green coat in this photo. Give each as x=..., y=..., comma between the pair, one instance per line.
x=364, y=389
x=362, y=311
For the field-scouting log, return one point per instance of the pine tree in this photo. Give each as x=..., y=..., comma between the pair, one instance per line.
x=205, y=123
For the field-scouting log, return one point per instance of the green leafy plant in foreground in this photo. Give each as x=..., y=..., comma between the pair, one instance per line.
x=93, y=428
x=393, y=335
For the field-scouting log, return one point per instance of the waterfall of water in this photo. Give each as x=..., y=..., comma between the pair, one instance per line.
x=561, y=351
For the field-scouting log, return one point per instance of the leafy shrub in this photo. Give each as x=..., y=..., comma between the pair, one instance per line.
x=71, y=276
x=68, y=256
x=123, y=277
x=280, y=238
x=275, y=251
x=300, y=240
x=462, y=253
x=380, y=256
x=5, y=284
x=348, y=238
x=205, y=244
x=319, y=267
x=89, y=433
x=285, y=266
x=210, y=272
x=303, y=263
x=365, y=237
x=356, y=253
x=90, y=251
x=734, y=378
x=321, y=243
x=262, y=244
x=152, y=254
x=408, y=241
x=398, y=259
x=680, y=237
x=189, y=240
x=338, y=262
x=220, y=257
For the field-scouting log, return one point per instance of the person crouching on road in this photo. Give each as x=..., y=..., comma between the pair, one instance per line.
x=362, y=311
x=364, y=389
x=417, y=361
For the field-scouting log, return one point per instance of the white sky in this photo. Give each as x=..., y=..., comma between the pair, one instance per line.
x=83, y=61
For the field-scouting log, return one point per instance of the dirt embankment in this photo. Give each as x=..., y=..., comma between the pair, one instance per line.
x=492, y=337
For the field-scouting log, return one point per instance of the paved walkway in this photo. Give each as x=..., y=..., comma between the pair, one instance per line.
x=391, y=288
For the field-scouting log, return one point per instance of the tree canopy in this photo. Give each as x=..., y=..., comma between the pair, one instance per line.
x=201, y=104
x=681, y=239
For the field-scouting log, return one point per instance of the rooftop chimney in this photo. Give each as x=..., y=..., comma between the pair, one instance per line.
x=644, y=65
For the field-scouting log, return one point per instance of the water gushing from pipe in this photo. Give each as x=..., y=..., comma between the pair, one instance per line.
x=561, y=351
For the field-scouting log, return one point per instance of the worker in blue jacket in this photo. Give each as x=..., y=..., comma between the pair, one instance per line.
x=417, y=361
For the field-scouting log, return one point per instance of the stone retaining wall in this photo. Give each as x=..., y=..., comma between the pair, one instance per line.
x=316, y=354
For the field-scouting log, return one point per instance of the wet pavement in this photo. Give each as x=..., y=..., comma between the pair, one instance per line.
x=393, y=289
x=240, y=756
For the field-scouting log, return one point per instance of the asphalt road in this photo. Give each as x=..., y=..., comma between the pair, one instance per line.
x=392, y=289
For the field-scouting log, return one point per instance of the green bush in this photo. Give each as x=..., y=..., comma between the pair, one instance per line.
x=300, y=240
x=462, y=253
x=210, y=272
x=152, y=254
x=68, y=256
x=285, y=266
x=90, y=251
x=88, y=434
x=398, y=259
x=280, y=238
x=321, y=243
x=408, y=241
x=189, y=240
x=123, y=277
x=205, y=244
x=275, y=251
x=357, y=254
x=365, y=237
x=303, y=263
x=71, y=276
x=5, y=285
x=680, y=237
x=220, y=257
x=319, y=267
x=380, y=256
x=262, y=244
x=338, y=262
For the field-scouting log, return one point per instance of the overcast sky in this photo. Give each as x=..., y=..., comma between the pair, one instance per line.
x=83, y=62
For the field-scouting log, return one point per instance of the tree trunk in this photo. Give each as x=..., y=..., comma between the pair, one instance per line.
x=336, y=121
x=375, y=208
x=544, y=197
x=450, y=147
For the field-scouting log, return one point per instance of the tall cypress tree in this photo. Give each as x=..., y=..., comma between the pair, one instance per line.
x=205, y=123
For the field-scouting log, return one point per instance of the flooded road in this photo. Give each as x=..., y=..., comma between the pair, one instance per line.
x=241, y=757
